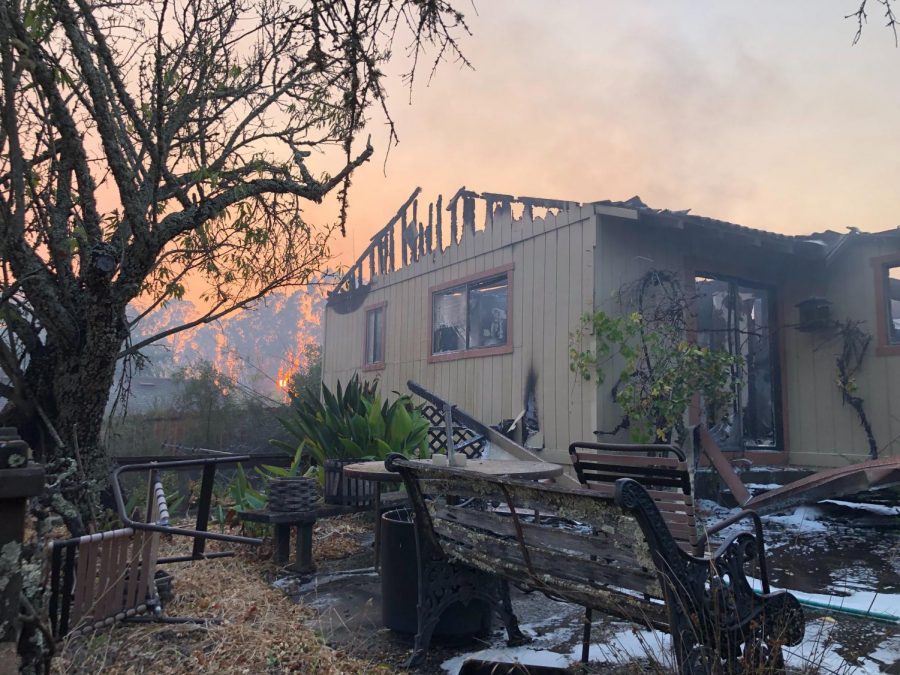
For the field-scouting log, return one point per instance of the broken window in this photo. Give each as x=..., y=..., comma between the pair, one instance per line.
x=892, y=303
x=375, y=336
x=471, y=315
x=738, y=318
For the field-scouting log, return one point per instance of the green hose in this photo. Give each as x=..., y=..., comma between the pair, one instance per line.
x=862, y=613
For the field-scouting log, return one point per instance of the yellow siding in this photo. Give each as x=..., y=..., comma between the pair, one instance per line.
x=575, y=261
x=820, y=431
x=829, y=433
x=552, y=285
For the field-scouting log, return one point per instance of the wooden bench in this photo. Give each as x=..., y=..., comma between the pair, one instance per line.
x=612, y=553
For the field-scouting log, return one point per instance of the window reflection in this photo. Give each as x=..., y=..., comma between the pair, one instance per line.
x=375, y=336
x=893, y=303
x=736, y=318
x=470, y=316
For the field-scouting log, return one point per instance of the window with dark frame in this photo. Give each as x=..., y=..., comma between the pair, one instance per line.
x=375, y=336
x=738, y=317
x=892, y=303
x=470, y=316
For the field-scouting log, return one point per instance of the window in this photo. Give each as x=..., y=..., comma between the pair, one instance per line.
x=892, y=303
x=471, y=318
x=738, y=318
x=374, y=355
x=887, y=304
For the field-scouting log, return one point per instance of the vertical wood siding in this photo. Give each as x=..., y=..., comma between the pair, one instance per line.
x=573, y=261
x=819, y=430
x=552, y=285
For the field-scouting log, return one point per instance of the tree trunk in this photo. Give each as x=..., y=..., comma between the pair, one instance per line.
x=67, y=387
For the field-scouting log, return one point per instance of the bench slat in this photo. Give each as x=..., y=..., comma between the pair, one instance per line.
x=659, y=496
x=643, y=611
x=579, y=504
x=546, y=536
x=466, y=544
x=651, y=482
x=631, y=460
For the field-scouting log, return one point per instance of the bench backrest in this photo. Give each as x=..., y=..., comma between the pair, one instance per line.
x=661, y=469
x=107, y=576
x=572, y=543
x=101, y=578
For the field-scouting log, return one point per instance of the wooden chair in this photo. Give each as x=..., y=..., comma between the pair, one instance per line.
x=661, y=469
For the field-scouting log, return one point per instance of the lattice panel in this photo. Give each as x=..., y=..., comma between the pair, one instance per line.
x=437, y=435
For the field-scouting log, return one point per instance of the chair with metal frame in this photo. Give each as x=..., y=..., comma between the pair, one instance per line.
x=101, y=578
x=663, y=471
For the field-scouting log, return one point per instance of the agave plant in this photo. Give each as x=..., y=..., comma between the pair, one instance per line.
x=353, y=423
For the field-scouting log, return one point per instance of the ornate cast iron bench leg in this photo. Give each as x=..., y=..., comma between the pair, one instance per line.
x=442, y=584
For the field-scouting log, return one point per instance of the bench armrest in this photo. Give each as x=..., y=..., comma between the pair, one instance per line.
x=760, y=543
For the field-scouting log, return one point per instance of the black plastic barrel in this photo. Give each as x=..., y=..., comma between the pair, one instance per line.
x=400, y=585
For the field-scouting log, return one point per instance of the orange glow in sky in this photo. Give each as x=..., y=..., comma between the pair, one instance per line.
x=761, y=114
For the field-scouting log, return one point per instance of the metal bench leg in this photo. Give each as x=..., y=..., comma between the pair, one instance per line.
x=377, y=506
x=586, y=640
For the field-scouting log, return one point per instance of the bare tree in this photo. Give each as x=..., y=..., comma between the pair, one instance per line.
x=862, y=17
x=148, y=143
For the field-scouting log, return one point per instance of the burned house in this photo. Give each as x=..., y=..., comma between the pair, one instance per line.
x=475, y=298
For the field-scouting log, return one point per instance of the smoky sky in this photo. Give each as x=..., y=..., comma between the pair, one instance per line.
x=758, y=113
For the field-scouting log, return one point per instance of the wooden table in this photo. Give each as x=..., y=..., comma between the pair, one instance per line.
x=514, y=468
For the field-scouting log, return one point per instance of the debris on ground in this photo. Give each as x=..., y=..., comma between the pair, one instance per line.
x=253, y=627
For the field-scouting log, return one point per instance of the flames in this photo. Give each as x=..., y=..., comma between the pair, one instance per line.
x=260, y=348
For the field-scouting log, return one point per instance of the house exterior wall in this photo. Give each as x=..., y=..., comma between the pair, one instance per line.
x=826, y=432
x=551, y=264
x=818, y=430
x=575, y=261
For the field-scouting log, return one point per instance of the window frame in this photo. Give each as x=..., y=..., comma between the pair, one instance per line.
x=477, y=352
x=776, y=351
x=375, y=365
x=880, y=267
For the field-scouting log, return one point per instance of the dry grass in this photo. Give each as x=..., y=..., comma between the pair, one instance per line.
x=339, y=537
x=259, y=630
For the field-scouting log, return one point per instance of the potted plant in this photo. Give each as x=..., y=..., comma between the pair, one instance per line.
x=352, y=424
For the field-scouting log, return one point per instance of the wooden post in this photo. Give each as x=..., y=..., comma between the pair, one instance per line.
x=448, y=426
x=416, y=230
x=303, y=563
x=282, y=543
x=403, y=237
x=440, y=236
x=420, y=242
x=390, y=242
x=468, y=215
x=430, y=226
x=20, y=480
x=454, y=238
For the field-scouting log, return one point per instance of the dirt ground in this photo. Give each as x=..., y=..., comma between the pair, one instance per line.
x=844, y=552
x=264, y=620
